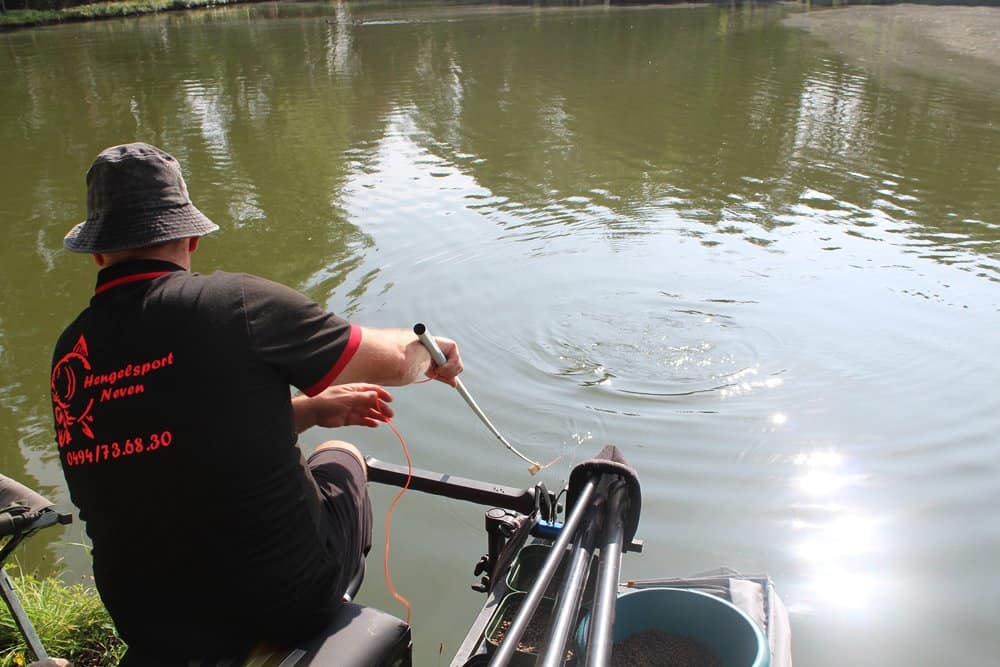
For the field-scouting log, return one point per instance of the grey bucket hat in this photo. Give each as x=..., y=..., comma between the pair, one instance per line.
x=136, y=197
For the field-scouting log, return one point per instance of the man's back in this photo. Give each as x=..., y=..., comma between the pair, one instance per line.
x=176, y=433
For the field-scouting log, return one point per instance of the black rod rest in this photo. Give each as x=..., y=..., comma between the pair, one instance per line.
x=514, y=511
x=526, y=501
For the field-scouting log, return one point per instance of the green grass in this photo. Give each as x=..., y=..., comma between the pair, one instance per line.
x=70, y=620
x=15, y=18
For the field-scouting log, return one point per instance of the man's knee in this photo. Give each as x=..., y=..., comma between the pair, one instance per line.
x=347, y=447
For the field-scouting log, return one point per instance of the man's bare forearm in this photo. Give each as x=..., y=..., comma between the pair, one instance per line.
x=396, y=357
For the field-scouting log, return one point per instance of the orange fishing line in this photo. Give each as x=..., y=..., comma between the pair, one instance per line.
x=388, y=523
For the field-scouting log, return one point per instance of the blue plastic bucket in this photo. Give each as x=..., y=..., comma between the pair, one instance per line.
x=724, y=628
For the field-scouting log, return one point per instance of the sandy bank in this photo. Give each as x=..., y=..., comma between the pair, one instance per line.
x=958, y=42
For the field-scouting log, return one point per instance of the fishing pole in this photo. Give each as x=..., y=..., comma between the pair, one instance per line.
x=438, y=356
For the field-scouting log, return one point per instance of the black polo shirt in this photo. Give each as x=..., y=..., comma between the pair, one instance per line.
x=171, y=396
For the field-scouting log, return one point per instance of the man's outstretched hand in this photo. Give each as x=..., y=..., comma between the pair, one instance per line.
x=355, y=404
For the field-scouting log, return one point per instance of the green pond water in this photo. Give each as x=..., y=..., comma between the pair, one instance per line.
x=767, y=268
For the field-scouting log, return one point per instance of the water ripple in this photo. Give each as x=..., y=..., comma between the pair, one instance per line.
x=677, y=348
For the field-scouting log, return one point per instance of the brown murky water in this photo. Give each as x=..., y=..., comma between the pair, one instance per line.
x=764, y=264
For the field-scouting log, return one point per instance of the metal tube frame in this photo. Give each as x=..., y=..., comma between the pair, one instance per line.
x=21, y=619
x=571, y=593
x=527, y=609
x=602, y=618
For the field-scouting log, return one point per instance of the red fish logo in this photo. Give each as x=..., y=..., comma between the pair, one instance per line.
x=64, y=386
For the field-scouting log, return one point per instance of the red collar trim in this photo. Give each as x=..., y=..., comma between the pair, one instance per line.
x=129, y=279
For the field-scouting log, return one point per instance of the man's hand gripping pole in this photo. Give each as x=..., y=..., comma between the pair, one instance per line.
x=438, y=356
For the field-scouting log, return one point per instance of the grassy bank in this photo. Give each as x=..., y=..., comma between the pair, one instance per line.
x=20, y=18
x=70, y=620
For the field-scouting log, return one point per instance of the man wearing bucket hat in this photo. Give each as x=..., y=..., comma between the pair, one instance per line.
x=177, y=430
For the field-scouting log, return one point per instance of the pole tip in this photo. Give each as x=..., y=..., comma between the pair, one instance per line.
x=419, y=329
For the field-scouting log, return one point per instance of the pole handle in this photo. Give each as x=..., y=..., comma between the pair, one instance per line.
x=437, y=355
